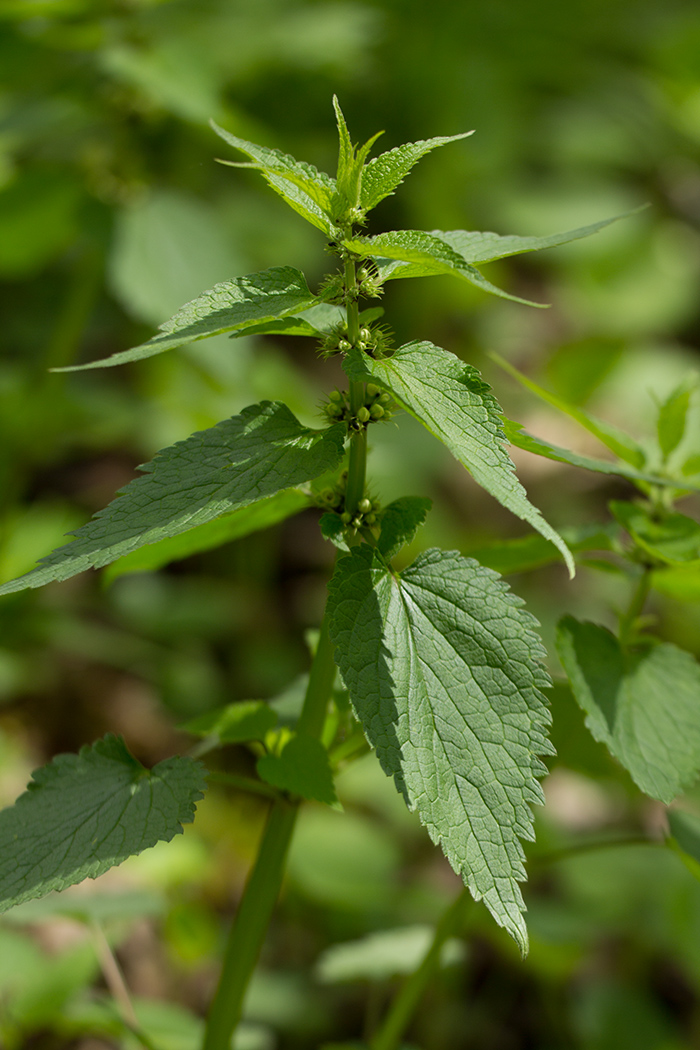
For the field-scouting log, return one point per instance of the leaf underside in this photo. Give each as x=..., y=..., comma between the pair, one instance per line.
x=642, y=706
x=451, y=399
x=85, y=813
x=443, y=669
x=258, y=453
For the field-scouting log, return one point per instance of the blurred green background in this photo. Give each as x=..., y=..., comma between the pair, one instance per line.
x=112, y=214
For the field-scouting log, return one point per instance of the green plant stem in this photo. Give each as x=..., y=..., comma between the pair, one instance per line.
x=357, y=460
x=243, y=783
x=634, y=610
x=265, y=880
x=406, y=1002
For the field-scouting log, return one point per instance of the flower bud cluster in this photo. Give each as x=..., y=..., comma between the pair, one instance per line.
x=377, y=406
x=365, y=515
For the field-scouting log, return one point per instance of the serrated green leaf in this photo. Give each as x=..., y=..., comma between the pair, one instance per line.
x=333, y=529
x=671, y=420
x=242, y=460
x=642, y=706
x=400, y=521
x=351, y=164
x=451, y=399
x=443, y=670
x=235, y=723
x=85, y=813
x=212, y=534
x=386, y=172
x=382, y=955
x=529, y=443
x=611, y=436
x=428, y=257
x=483, y=246
x=301, y=769
x=230, y=306
x=674, y=538
x=303, y=187
x=524, y=553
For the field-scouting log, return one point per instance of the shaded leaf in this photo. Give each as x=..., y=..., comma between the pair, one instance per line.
x=443, y=670
x=672, y=538
x=235, y=723
x=82, y=814
x=236, y=304
x=240, y=461
x=212, y=534
x=525, y=553
x=451, y=399
x=301, y=769
x=642, y=706
x=400, y=521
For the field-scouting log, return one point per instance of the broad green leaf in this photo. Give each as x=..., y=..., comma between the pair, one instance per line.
x=301, y=769
x=84, y=813
x=451, y=399
x=400, y=521
x=529, y=443
x=673, y=412
x=242, y=460
x=642, y=705
x=382, y=955
x=611, y=436
x=230, y=306
x=307, y=190
x=212, y=534
x=235, y=723
x=481, y=247
x=428, y=256
x=443, y=670
x=383, y=174
x=674, y=538
x=525, y=553
x=333, y=528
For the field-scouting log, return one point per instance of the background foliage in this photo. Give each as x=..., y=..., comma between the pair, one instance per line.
x=112, y=214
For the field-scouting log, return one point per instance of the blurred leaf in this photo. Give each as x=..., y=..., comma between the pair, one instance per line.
x=685, y=835
x=673, y=412
x=212, y=534
x=227, y=306
x=525, y=553
x=38, y=218
x=84, y=813
x=258, y=453
x=642, y=706
x=451, y=399
x=302, y=769
x=387, y=953
x=235, y=723
x=459, y=708
x=612, y=437
x=674, y=538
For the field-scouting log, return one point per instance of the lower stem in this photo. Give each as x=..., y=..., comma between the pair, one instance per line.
x=406, y=1002
x=265, y=880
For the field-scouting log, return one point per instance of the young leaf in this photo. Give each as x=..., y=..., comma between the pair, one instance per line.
x=674, y=539
x=642, y=706
x=235, y=723
x=428, y=257
x=611, y=436
x=670, y=424
x=256, y=454
x=302, y=769
x=232, y=306
x=212, y=534
x=443, y=670
x=350, y=163
x=386, y=172
x=307, y=190
x=400, y=522
x=451, y=399
x=529, y=443
x=84, y=813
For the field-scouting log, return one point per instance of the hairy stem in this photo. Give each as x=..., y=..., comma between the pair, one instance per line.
x=406, y=1002
x=265, y=880
x=357, y=460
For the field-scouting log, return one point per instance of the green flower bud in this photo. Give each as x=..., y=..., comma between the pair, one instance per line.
x=335, y=395
x=363, y=414
x=334, y=410
x=344, y=345
x=372, y=390
x=364, y=505
x=376, y=412
x=365, y=334
x=370, y=519
x=346, y=517
x=357, y=522
x=385, y=398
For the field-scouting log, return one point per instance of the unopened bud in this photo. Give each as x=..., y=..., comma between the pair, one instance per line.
x=335, y=395
x=385, y=398
x=344, y=345
x=365, y=334
x=364, y=505
x=346, y=517
x=363, y=414
x=372, y=390
x=376, y=411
